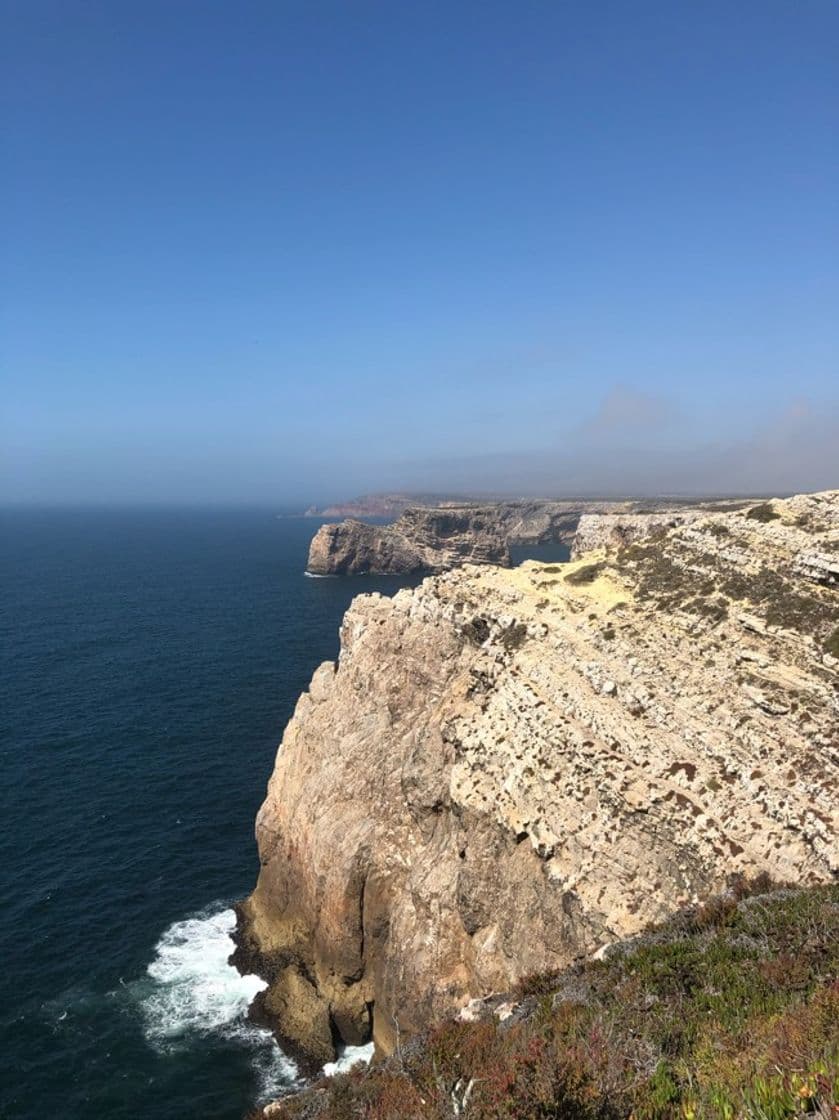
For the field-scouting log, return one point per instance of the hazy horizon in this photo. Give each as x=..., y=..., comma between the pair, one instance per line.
x=287, y=254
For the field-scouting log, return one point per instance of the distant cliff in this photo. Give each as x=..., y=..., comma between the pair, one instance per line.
x=508, y=769
x=378, y=505
x=422, y=540
x=434, y=539
x=392, y=505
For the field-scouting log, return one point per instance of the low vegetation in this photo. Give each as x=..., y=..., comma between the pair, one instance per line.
x=785, y=603
x=763, y=512
x=588, y=573
x=514, y=636
x=729, y=1011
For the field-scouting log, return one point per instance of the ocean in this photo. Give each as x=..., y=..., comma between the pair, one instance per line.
x=150, y=660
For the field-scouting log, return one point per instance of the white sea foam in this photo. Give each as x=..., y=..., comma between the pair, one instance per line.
x=349, y=1057
x=190, y=991
x=195, y=989
x=314, y=575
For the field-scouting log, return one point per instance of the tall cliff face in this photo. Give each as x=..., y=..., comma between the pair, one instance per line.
x=356, y=547
x=428, y=539
x=508, y=769
x=422, y=540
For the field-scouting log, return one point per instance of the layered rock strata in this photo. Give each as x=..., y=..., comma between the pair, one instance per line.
x=426, y=539
x=508, y=769
x=422, y=540
x=613, y=530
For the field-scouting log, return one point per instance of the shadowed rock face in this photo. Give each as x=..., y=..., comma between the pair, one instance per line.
x=507, y=769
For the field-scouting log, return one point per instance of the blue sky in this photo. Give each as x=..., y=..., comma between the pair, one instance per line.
x=293, y=251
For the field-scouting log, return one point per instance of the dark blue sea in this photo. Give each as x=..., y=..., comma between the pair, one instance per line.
x=150, y=661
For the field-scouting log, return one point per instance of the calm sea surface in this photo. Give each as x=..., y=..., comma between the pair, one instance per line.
x=149, y=663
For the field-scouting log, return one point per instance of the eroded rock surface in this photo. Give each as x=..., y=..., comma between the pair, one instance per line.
x=354, y=547
x=508, y=769
x=612, y=530
x=434, y=539
x=422, y=540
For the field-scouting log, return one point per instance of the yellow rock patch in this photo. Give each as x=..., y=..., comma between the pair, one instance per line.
x=540, y=581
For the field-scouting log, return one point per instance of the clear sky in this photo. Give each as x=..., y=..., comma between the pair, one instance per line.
x=294, y=250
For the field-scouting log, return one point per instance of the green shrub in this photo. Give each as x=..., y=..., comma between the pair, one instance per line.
x=538, y=983
x=514, y=636
x=587, y=574
x=763, y=512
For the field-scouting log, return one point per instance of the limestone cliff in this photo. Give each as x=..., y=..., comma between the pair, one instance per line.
x=609, y=531
x=434, y=539
x=508, y=769
x=422, y=540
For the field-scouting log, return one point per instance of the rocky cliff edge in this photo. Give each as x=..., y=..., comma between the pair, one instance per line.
x=427, y=539
x=508, y=769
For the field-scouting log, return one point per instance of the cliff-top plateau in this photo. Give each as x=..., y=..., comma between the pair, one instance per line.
x=509, y=769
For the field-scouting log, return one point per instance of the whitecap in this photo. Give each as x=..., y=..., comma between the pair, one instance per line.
x=349, y=1056
x=190, y=992
x=195, y=990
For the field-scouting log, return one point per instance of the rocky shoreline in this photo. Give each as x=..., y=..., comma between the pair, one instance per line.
x=510, y=769
x=298, y=1036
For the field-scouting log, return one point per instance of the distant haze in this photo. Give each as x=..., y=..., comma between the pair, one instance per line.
x=284, y=252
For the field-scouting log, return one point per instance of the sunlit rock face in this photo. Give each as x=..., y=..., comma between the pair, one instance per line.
x=509, y=768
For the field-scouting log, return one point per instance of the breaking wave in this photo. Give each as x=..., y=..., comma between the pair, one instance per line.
x=348, y=1057
x=190, y=991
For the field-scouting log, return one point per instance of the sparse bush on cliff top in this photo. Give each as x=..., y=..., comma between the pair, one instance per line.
x=764, y=512
x=729, y=1011
x=514, y=636
x=588, y=573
